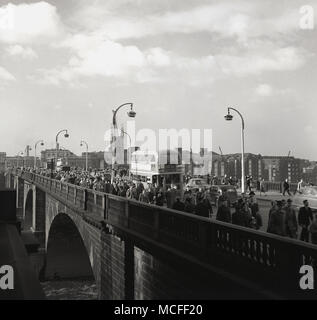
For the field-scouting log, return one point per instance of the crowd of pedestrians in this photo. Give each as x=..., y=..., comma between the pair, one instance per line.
x=246, y=212
x=283, y=221
x=122, y=184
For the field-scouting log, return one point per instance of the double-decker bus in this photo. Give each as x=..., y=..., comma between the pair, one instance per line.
x=145, y=167
x=61, y=165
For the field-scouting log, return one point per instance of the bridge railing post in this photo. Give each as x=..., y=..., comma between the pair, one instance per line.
x=106, y=217
x=103, y=206
x=75, y=195
x=85, y=199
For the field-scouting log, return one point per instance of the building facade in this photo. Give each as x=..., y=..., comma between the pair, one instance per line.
x=279, y=168
x=48, y=154
x=3, y=157
x=230, y=165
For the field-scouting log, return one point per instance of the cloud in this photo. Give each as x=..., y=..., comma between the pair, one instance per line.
x=264, y=90
x=158, y=57
x=37, y=21
x=6, y=75
x=261, y=59
x=20, y=51
x=93, y=56
x=240, y=19
x=102, y=52
x=199, y=19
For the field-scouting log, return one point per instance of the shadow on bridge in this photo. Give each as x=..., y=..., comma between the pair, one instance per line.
x=27, y=222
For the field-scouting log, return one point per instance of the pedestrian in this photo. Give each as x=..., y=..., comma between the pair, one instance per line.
x=139, y=189
x=169, y=201
x=256, y=220
x=187, y=193
x=223, y=213
x=203, y=208
x=144, y=196
x=189, y=206
x=249, y=183
x=305, y=217
x=286, y=188
x=159, y=199
x=239, y=217
x=262, y=187
x=299, y=187
x=277, y=220
x=151, y=193
x=273, y=209
x=199, y=195
x=247, y=212
x=179, y=205
x=291, y=225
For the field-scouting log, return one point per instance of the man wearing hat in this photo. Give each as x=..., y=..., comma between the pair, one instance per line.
x=305, y=217
x=223, y=213
x=277, y=220
x=291, y=225
x=252, y=194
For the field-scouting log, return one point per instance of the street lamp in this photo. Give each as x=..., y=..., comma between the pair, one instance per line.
x=66, y=135
x=131, y=114
x=130, y=145
x=81, y=144
x=27, y=152
x=229, y=117
x=35, y=146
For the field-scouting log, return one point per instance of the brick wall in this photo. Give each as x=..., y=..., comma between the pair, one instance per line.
x=112, y=268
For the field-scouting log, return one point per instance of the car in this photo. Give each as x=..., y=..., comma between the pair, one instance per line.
x=228, y=191
x=308, y=193
x=195, y=183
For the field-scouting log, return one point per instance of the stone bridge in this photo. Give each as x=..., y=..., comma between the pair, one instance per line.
x=139, y=251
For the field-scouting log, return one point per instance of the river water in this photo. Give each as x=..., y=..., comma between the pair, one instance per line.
x=70, y=290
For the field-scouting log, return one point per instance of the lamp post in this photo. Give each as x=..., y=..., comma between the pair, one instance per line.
x=229, y=117
x=19, y=154
x=81, y=144
x=66, y=135
x=27, y=153
x=131, y=114
x=130, y=145
x=35, y=146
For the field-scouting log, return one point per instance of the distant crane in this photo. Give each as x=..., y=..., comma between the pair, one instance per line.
x=220, y=151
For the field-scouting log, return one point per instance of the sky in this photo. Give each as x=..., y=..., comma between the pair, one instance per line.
x=66, y=64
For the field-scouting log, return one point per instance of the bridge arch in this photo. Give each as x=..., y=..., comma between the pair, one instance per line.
x=66, y=254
